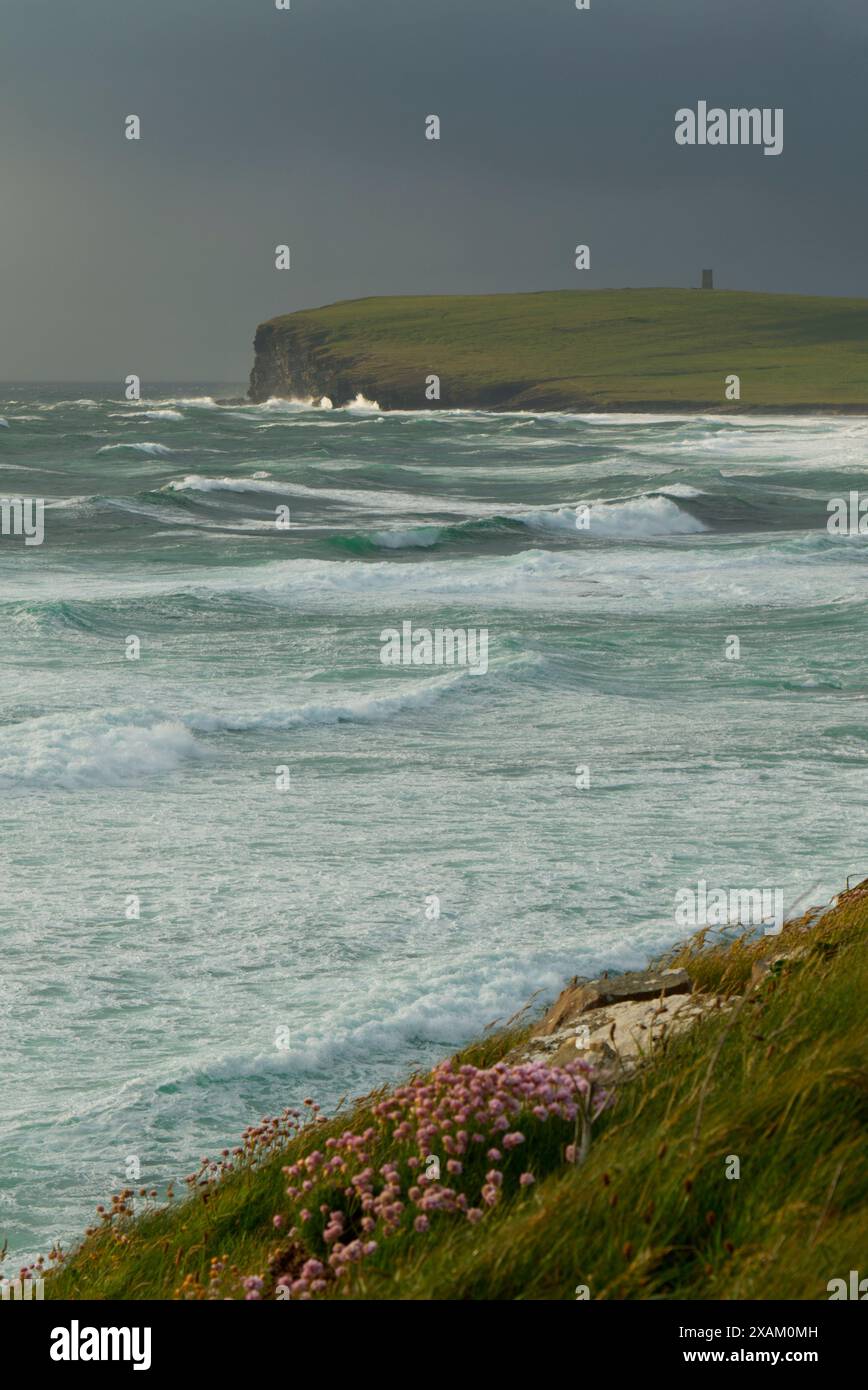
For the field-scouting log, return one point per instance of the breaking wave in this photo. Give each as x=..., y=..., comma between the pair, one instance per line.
x=78, y=751
x=145, y=447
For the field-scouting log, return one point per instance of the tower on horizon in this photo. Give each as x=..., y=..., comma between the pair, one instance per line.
x=708, y=279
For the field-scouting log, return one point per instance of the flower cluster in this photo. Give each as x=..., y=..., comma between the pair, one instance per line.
x=257, y=1143
x=450, y=1137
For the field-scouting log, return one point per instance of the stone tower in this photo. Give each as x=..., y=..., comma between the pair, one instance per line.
x=708, y=279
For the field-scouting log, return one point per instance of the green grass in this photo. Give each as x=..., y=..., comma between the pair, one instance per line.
x=780, y=1081
x=574, y=348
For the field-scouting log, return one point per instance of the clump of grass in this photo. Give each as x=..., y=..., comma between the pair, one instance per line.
x=731, y=1166
x=726, y=966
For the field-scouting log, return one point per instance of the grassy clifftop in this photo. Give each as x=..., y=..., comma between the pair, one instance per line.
x=652, y=1207
x=573, y=349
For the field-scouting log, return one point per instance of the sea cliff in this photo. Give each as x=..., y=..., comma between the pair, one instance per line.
x=573, y=350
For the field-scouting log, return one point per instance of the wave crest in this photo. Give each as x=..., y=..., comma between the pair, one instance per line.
x=76, y=751
x=143, y=447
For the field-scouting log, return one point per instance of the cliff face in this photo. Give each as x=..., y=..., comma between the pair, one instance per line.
x=302, y=356
x=290, y=361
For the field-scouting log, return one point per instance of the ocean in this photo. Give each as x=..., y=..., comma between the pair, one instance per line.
x=245, y=862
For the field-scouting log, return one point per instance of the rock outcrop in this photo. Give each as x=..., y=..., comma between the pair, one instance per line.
x=618, y=1020
x=290, y=361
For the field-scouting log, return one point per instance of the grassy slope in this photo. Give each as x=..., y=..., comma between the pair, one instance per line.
x=594, y=347
x=781, y=1081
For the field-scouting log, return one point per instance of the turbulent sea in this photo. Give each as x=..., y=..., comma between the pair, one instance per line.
x=282, y=947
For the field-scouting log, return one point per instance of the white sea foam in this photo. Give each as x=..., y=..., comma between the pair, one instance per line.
x=77, y=751
x=143, y=447
x=634, y=517
x=407, y=537
x=146, y=415
x=631, y=519
x=680, y=490
x=279, y=405
x=195, y=482
x=106, y=748
x=359, y=710
x=360, y=405
x=774, y=569
x=356, y=498
x=438, y=1002
x=644, y=516
x=499, y=576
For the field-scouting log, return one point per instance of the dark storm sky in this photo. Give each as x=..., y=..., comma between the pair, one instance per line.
x=261, y=127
